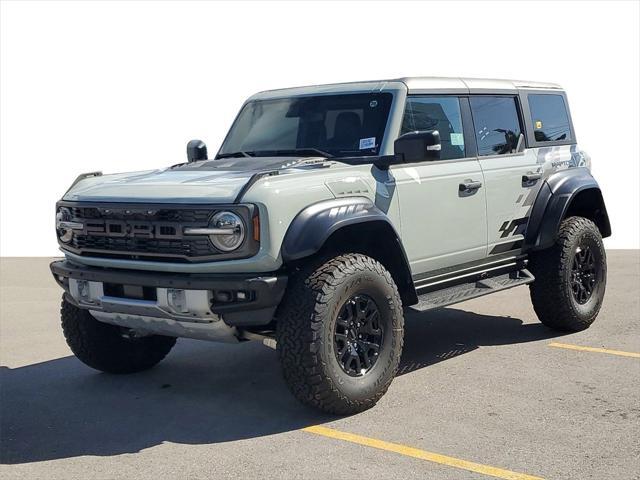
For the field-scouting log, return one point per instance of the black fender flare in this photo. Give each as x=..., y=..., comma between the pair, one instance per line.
x=554, y=200
x=313, y=226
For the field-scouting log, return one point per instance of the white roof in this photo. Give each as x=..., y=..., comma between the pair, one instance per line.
x=471, y=85
x=414, y=85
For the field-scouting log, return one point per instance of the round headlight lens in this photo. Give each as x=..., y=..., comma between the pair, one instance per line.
x=64, y=234
x=231, y=231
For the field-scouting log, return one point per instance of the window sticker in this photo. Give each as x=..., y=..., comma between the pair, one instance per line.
x=367, y=143
x=538, y=124
x=457, y=139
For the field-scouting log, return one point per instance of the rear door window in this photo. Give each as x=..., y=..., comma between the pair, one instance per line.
x=437, y=113
x=549, y=118
x=496, y=123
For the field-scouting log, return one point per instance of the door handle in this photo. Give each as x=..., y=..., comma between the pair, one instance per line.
x=469, y=186
x=531, y=178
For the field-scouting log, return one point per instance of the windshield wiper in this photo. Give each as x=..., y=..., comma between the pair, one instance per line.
x=304, y=152
x=232, y=155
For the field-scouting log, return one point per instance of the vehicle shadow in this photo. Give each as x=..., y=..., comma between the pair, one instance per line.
x=202, y=393
x=438, y=335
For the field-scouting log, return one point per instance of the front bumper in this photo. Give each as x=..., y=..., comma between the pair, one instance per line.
x=167, y=303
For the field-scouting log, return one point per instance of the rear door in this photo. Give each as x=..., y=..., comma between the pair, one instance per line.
x=443, y=224
x=512, y=178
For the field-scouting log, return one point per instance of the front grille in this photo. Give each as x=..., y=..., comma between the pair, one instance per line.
x=198, y=216
x=145, y=232
x=144, y=247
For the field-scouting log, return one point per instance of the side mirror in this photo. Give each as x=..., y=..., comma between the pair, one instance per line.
x=418, y=146
x=196, y=151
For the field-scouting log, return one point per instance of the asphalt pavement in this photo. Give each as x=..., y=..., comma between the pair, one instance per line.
x=484, y=390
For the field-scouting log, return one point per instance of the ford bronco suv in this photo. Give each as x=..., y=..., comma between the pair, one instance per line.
x=327, y=212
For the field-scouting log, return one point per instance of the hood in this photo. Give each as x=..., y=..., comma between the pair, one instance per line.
x=209, y=181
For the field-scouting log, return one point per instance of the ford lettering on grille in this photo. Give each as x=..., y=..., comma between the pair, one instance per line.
x=139, y=229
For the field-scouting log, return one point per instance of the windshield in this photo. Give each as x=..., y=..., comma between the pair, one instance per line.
x=344, y=125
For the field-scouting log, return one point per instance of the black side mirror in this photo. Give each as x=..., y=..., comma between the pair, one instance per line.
x=196, y=151
x=418, y=146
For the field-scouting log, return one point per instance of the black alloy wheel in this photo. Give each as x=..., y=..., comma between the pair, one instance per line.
x=358, y=335
x=584, y=274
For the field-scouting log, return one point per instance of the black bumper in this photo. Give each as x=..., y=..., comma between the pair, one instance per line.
x=265, y=290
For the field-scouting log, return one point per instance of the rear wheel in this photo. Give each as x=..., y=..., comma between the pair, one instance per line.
x=571, y=277
x=110, y=348
x=340, y=333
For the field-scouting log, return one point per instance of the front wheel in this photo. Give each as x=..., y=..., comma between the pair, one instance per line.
x=571, y=277
x=340, y=333
x=110, y=348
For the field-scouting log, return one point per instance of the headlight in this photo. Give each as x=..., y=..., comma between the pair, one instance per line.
x=226, y=231
x=64, y=225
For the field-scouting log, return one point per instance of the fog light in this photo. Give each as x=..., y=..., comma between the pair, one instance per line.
x=241, y=295
x=177, y=300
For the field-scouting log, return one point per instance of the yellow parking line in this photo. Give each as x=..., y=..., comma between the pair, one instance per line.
x=594, y=349
x=420, y=454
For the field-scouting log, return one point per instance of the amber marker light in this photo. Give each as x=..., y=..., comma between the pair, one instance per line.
x=256, y=228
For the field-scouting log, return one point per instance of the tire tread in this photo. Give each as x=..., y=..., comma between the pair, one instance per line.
x=300, y=325
x=550, y=294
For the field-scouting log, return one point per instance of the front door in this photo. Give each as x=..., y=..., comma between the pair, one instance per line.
x=442, y=202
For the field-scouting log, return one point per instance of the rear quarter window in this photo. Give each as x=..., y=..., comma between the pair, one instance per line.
x=549, y=118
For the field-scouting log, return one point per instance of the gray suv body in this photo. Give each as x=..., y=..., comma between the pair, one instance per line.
x=327, y=211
